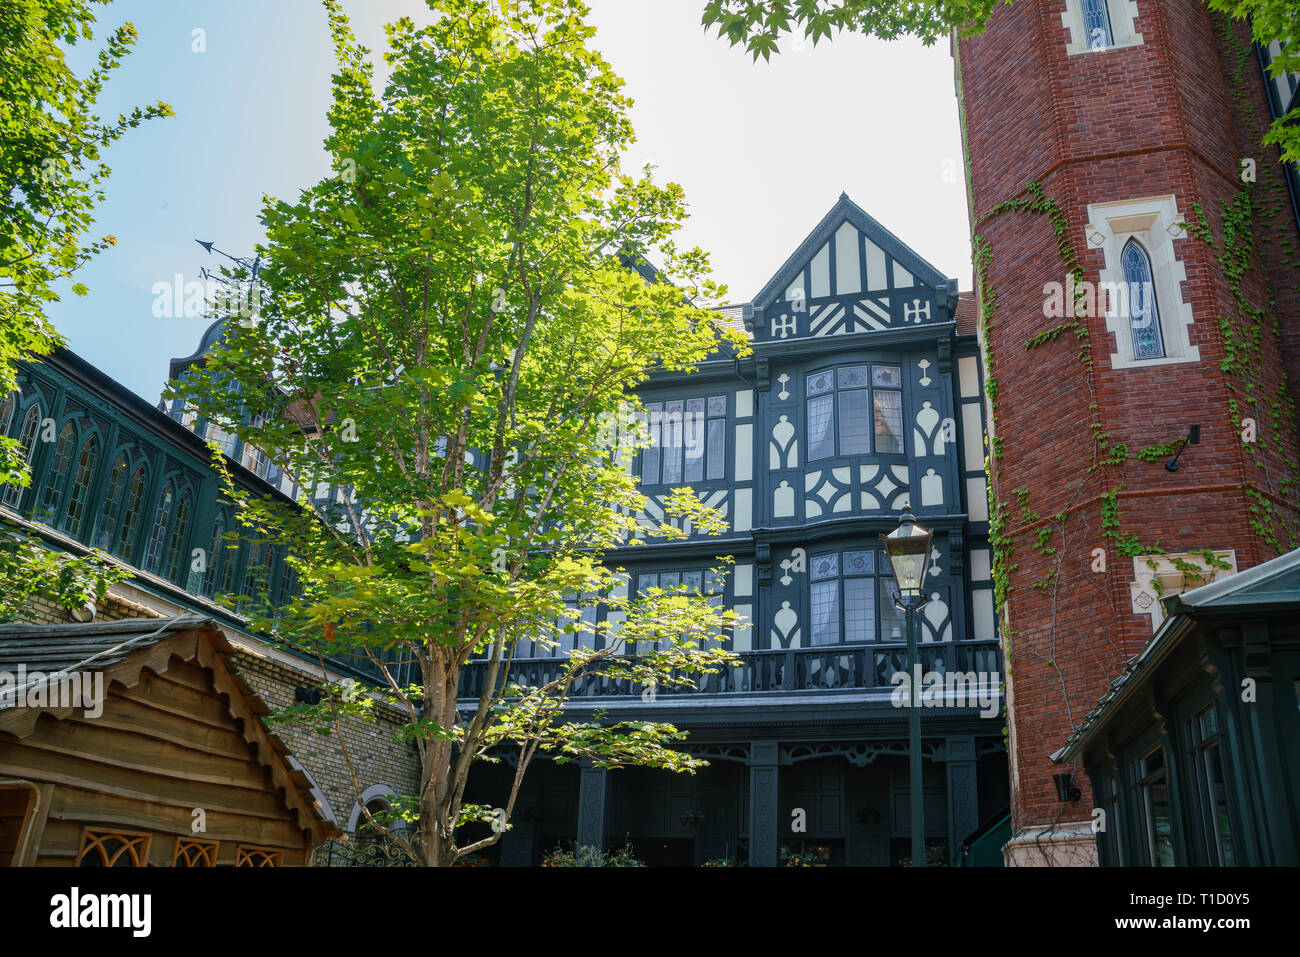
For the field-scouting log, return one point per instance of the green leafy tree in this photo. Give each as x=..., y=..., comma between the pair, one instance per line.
x=759, y=24
x=450, y=334
x=51, y=175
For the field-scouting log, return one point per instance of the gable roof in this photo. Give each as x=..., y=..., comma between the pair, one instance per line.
x=845, y=210
x=123, y=651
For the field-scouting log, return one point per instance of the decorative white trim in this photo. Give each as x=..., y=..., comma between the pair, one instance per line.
x=374, y=792
x=1155, y=222
x=1143, y=595
x=1123, y=27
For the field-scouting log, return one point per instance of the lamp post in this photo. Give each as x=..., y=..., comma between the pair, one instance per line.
x=908, y=548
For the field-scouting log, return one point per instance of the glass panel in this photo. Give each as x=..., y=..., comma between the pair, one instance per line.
x=825, y=613
x=717, y=405
x=717, y=449
x=887, y=377
x=58, y=474
x=103, y=537
x=1143, y=313
x=694, y=406
x=855, y=428
x=889, y=422
x=646, y=582
x=1221, y=825
x=852, y=377
x=693, y=441
x=859, y=610
x=81, y=487
x=131, y=516
x=821, y=435
x=27, y=439
x=161, y=519
x=891, y=618
x=693, y=581
x=670, y=580
x=859, y=563
x=672, y=443
x=824, y=566
x=1096, y=24
x=819, y=383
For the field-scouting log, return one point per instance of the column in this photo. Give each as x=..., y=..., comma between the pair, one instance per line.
x=762, y=803
x=593, y=805
x=963, y=792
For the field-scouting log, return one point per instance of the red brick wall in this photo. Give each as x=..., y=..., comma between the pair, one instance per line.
x=1096, y=127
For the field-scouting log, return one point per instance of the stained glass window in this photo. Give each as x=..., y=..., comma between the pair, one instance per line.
x=176, y=540
x=7, y=412
x=108, y=514
x=1096, y=24
x=76, y=510
x=131, y=514
x=216, y=555
x=157, y=536
x=1143, y=311
x=27, y=441
x=845, y=422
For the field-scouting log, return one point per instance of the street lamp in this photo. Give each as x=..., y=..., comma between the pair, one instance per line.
x=908, y=548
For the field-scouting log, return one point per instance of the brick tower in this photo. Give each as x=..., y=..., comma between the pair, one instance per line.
x=1113, y=151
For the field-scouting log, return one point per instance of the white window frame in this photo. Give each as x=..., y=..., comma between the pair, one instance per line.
x=1123, y=27
x=1155, y=222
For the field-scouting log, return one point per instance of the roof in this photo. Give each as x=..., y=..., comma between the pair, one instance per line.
x=733, y=317
x=1270, y=587
x=124, y=650
x=967, y=314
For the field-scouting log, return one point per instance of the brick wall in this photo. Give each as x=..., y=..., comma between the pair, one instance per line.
x=1099, y=127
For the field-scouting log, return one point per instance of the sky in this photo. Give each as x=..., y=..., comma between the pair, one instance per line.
x=762, y=150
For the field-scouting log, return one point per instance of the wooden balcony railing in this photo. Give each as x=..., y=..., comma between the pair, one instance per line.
x=821, y=668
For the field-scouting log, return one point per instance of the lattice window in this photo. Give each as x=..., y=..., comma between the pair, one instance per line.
x=1143, y=312
x=688, y=441
x=131, y=514
x=1096, y=25
x=846, y=408
x=58, y=474
x=256, y=573
x=108, y=514
x=13, y=494
x=193, y=852
x=176, y=540
x=843, y=596
x=162, y=518
x=246, y=856
x=76, y=511
x=109, y=848
x=7, y=412
x=217, y=555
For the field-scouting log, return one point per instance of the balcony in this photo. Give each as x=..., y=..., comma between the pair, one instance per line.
x=819, y=669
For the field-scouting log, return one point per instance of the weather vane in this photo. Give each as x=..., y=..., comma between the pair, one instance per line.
x=232, y=300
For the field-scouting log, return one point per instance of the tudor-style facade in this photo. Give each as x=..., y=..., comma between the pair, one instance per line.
x=862, y=395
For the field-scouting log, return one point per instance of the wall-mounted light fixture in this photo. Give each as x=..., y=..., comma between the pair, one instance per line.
x=1065, y=788
x=1193, y=438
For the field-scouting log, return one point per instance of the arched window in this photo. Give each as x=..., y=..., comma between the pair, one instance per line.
x=7, y=412
x=1143, y=311
x=57, y=476
x=176, y=541
x=108, y=514
x=216, y=555
x=256, y=573
x=162, y=517
x=131, y=513
x=75, y=513
x=27, y=441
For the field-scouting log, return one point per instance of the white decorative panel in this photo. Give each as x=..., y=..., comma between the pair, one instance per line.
x=902, y=278
x=927, y=437
x=972, y=434
x=977, y=499
x=744, y=517
x=984, y=624
x=981, y=565
x=795, y=289
x=968, y=375
x=742, y=636
x=848, y=278
x=876, y=278
x=783, y=452
x=783, y=501
x=821, y=273
x=615, y=619
x=744, y=452
x=744, y=403
x=743, y=580
x=786, y=632
x=931, y=488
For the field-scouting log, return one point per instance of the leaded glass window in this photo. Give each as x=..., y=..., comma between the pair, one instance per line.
x=76, y=511
x=7, y=412
x=1143, y=311
x=853, y=406
x=842, y=596
x=57, y=477
x=1096, y=24
x=180, y=527
x=13, y=494
x=108, y=513
x=131, y=514
x=216, y=555
x=688, y=441
x=162, y=518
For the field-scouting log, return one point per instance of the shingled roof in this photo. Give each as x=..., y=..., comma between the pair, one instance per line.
x=967, y=314
x=93, y=646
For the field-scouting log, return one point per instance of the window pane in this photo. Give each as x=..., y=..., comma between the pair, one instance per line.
x=717, y=449
x=1221, y=825
x=693, y=581
x=824, y=566
x=859, y=610
x=887, y=377
x=889, y=422
x=1096, y=24
x=1143, y=313
x=646, y=582
x=672, y=442
x=891, y=619
x=852, y=377
x=821, y=436
x=819, y=383
x=717, y=405
x=693, y=442
x=855, y=430
x=859, y=563
x=825, y=613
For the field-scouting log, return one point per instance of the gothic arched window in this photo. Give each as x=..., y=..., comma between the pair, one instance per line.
x=131, y=513
x=162, y=518
x=7, y=412
x=1098, y=34
x=106, y=524
x=216, y=555
x=1143, y=311
x=57, y=477
x=27, y=442
x=75, y=513
x=176, y=541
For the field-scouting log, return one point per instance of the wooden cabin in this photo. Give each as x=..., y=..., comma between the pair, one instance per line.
x=133, y=743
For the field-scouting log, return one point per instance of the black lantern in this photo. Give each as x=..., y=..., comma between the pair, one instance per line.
x=1065, y=790
x=908, y=548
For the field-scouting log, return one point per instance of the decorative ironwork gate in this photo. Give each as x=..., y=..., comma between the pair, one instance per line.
x=336, y=853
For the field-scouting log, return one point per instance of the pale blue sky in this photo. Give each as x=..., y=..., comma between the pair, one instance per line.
x=762, y=150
